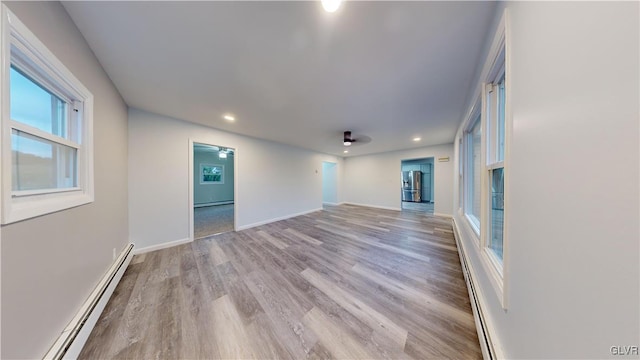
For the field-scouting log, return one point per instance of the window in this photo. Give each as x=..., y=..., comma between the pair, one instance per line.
x=460, y=174
x=47, y=152
x=211, y=174
x=485, y=165
x=495, y=124
x=472, y=206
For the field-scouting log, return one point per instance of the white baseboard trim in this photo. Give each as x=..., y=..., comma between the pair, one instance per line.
x=161, y=246
x=213, y=204
x=330, y=203
x=373, y=206
x=72, y=339
x=244, y=227
x=443, y=215
x=489, y=343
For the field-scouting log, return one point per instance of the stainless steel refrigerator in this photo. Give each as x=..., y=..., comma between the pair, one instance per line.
x=411, y=186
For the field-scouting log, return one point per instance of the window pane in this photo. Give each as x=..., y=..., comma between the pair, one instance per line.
x=497, y=211
x=32, y=105
x=500, y=121
x=39, y=164
x=460, y=174
x=475, y=165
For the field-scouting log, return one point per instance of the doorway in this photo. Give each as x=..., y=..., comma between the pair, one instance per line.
x=329, y=183
x=417, y=185
x=213, y=169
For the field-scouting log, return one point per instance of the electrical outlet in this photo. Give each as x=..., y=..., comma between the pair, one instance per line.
x=114, y=254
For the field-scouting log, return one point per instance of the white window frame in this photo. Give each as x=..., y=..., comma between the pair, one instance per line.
x=497, y=61
x=33, y=57
x=498, y=273
x=491, y=163
x=474, y=222
x=461, y=173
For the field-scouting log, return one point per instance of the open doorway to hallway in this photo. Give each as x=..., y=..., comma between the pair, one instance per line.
x=213, y=190
x=329, y=183
x=417, y=192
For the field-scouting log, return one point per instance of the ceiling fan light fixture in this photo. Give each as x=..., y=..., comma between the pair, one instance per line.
x=347, y=138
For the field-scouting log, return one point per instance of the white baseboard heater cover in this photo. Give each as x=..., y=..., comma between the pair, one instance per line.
x=72, y=339
x=486, y=345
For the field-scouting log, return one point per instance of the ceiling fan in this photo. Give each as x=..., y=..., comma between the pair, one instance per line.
x=348, y=140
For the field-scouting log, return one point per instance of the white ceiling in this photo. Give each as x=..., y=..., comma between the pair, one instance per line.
x=291, y=72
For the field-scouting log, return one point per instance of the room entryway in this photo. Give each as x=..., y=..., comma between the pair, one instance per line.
x=329, y=183
x=417, y=190
x=213, y=190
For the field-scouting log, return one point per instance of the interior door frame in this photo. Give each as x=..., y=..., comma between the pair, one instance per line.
x=433, y=177
x=335, y=181
x=191, y=179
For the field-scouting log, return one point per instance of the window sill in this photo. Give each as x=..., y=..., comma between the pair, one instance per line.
x=32, y=206
x=473, y=225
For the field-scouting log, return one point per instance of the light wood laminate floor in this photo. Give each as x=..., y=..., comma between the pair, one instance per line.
x=347, y=282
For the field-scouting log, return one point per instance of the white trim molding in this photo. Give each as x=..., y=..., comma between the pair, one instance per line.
x=161, y=246
x=213, y=204
x=72, y=339
x=448, y=216
x=373, y=206
x=489, y=342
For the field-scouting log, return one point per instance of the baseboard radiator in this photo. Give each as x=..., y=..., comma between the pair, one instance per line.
x=488, y=350
x=72, y=339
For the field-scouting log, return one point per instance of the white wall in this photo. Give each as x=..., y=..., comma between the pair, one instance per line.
x=51, y=263
x=272, y=180
x=374, y=180
x=573, y=250
x=329, y=183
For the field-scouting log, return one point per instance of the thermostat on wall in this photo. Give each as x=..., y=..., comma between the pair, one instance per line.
x=443, y=159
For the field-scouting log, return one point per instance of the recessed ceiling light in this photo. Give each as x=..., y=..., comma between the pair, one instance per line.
x=346, y=151
x=331, y=5
x=417, y=139
x=229, y=117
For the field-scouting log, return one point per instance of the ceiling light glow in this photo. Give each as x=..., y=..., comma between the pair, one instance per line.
x=331, y=5
x=346, y=151
x=417, y=139
x=347, y=143
x=229, y=117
